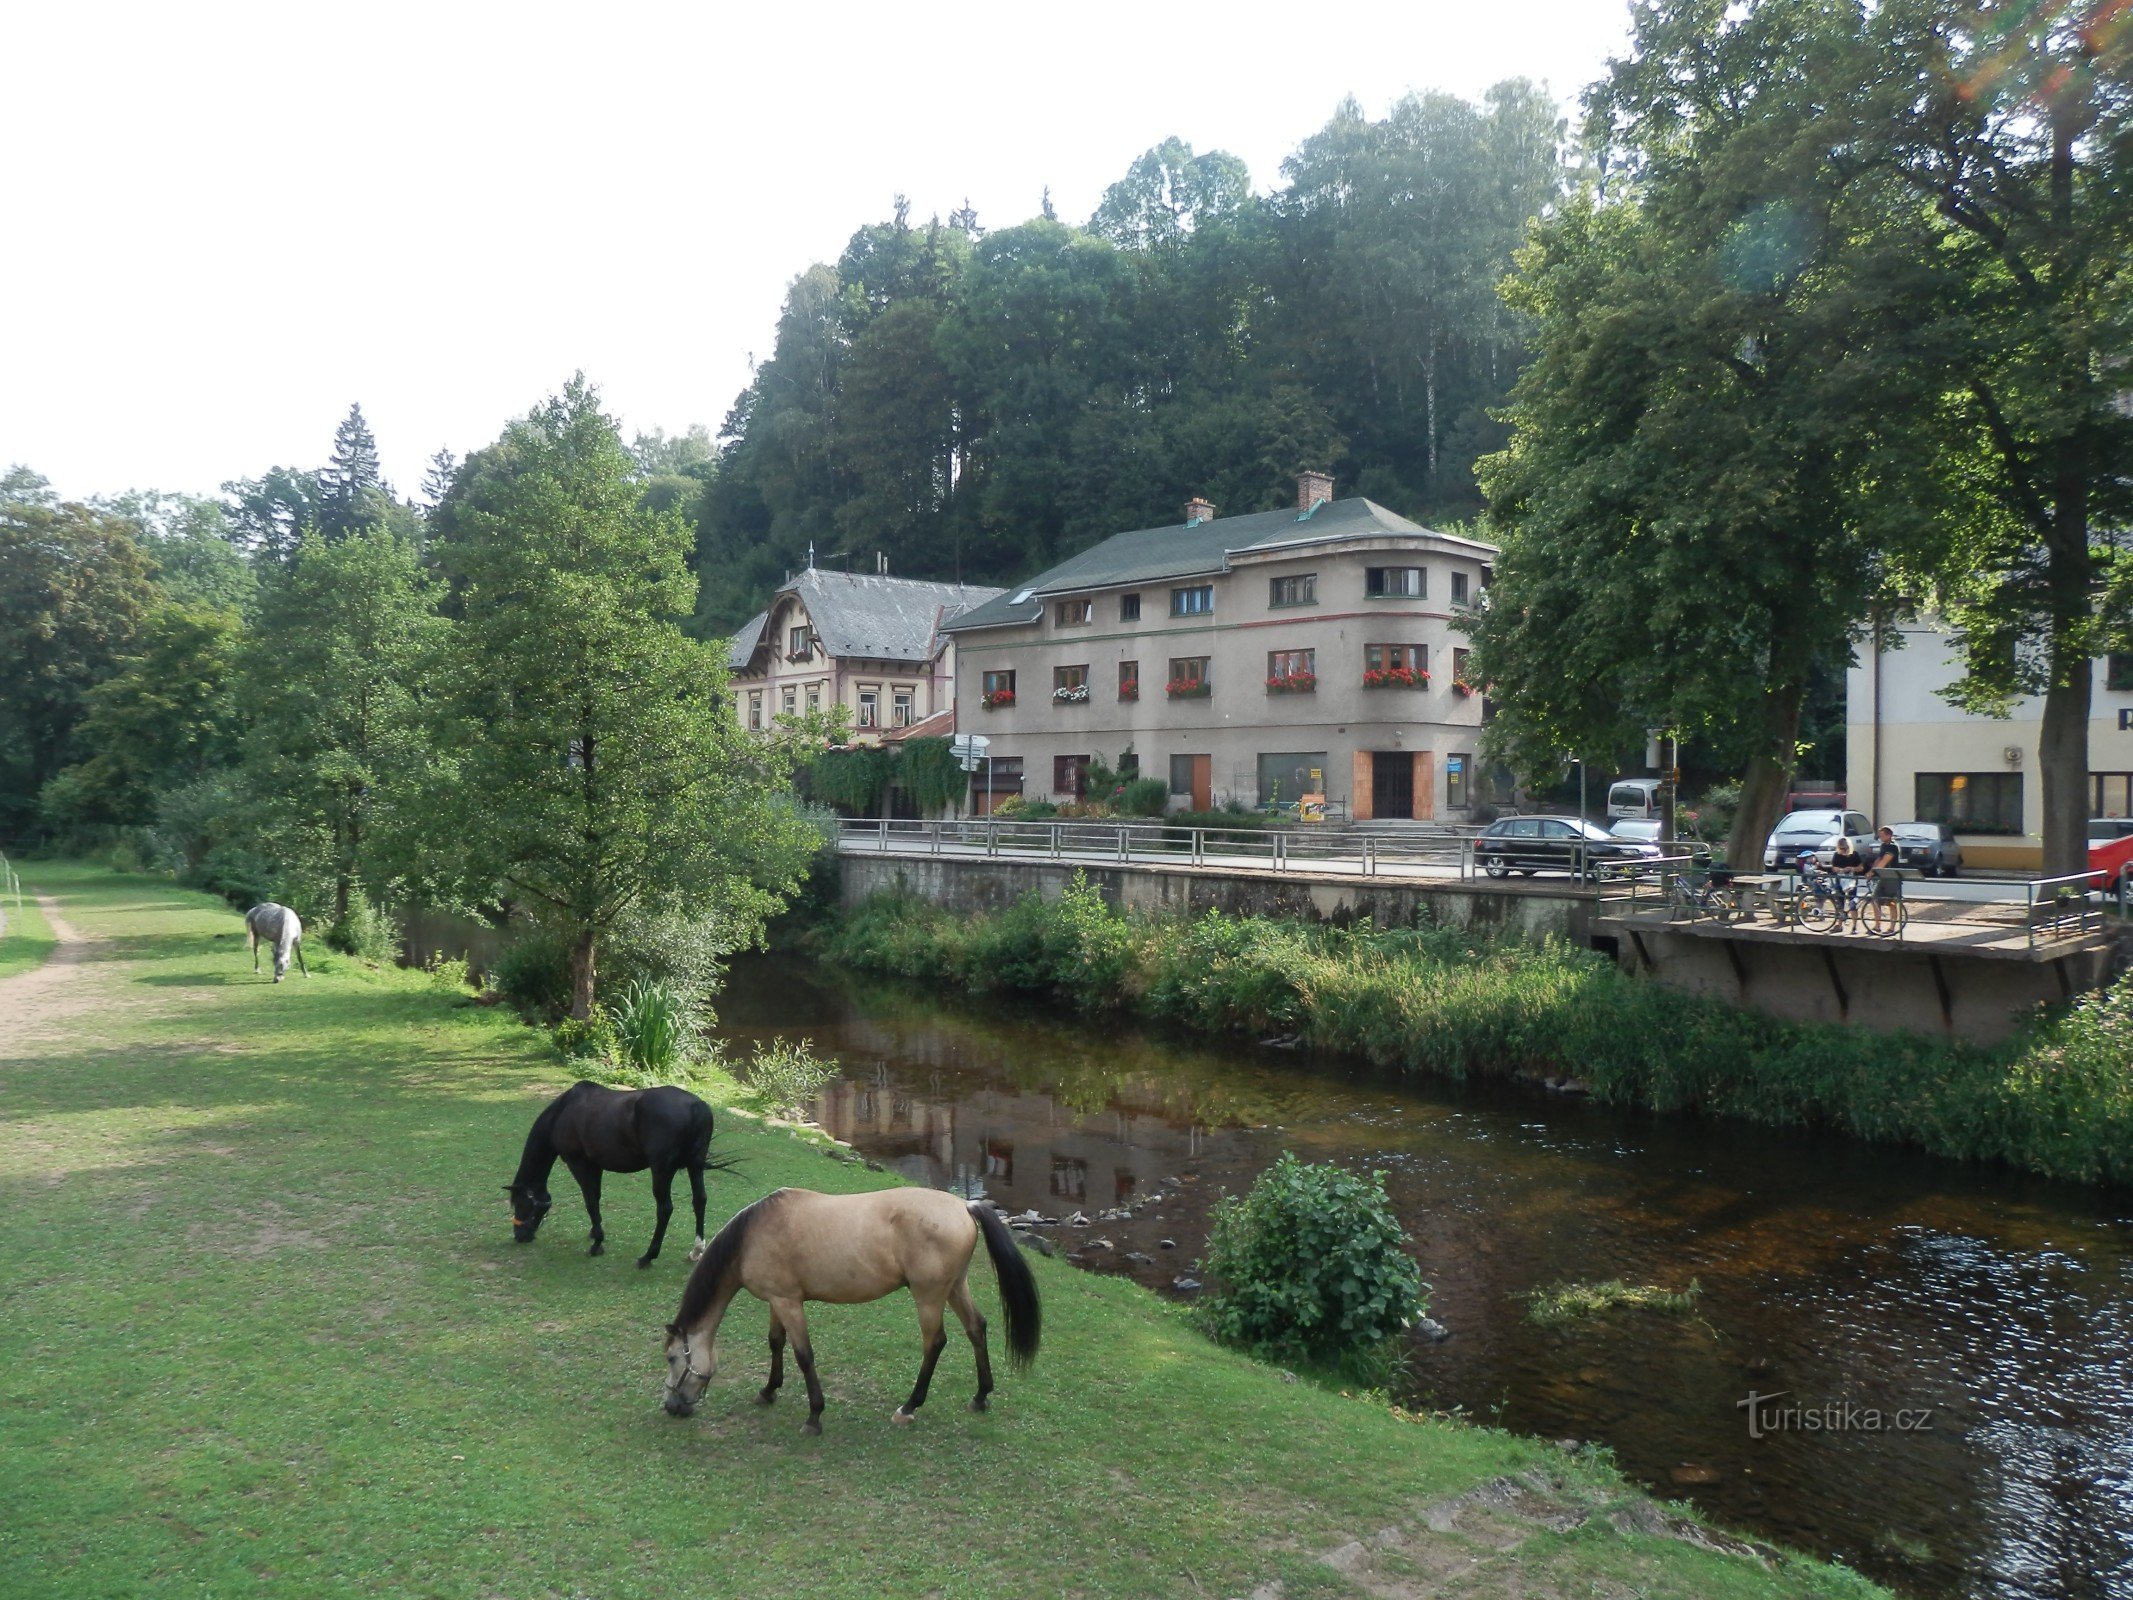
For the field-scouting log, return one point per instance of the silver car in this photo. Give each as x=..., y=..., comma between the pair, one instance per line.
x=1812, y=831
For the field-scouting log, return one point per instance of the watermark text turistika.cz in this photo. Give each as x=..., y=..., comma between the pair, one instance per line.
x=1766, y=1416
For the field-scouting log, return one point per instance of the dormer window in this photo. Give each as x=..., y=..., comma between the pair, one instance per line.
x=800, y=643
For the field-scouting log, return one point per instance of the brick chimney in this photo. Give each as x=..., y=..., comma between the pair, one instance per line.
x=1198, y=510
x=1311, y=488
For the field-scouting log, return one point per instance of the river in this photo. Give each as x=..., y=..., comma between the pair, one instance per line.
x=1850, y=1283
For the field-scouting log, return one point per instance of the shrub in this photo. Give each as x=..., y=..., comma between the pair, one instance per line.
x=593, y=1039
x=785, y=1073
x=1144, y=797
x=368, y=933
x=533, y=973
x=651, y=1027
x=1313, y=1263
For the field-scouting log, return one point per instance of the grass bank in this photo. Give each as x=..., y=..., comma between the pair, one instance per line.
x=25, y=938
x=2057, y=1099
x=265, y=1332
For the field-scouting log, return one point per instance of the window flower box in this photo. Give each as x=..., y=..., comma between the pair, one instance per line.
x=1461, y=688
x=1293, y=683
x=998, y=699
x=1129, y=691
x=1189, y=688
x=1072, y=694
x=1395, y=678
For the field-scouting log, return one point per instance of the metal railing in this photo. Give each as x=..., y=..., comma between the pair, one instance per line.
x=2066, y=907
x=1332, y=848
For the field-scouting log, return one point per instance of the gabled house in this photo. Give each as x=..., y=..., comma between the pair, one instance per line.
x=866, y=641
x=1312, y=650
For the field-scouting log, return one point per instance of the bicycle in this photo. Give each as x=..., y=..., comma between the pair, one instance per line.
x=1701, y=894
x=1886, y=914
x=1824, y=902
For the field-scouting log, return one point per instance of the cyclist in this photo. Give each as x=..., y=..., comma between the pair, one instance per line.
x=1850, y=868
x=1881, y=862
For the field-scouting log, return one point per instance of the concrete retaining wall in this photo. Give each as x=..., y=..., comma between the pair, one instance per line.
x=969, y=883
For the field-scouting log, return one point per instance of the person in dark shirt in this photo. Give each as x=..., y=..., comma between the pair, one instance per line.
x=1881, y=863
x=1847, y=864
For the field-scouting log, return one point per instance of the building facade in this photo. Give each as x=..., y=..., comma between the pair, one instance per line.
x=870, y=643
x=1256, y=658
x=1910, y=755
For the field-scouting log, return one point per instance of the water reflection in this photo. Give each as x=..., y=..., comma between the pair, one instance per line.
x=1834, y=1272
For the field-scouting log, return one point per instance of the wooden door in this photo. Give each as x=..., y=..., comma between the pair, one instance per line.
x=1425, y=785
x=1203, y=783
x=1359, y=789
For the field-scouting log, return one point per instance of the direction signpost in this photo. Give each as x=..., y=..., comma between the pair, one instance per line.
x=969, y=749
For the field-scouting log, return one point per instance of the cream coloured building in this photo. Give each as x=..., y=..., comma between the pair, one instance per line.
x=1250, y=658
x=868, y=642
x=1910, y=755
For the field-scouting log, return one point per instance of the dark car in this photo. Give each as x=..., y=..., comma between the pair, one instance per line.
x=1553, y=844
x=1928, y=846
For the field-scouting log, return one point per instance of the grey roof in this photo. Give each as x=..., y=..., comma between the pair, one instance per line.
x=1183, y=550
x=868, y=616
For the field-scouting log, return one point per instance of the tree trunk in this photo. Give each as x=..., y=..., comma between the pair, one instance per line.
x=1767, y=781
x=583, y=961
x=2063, y=763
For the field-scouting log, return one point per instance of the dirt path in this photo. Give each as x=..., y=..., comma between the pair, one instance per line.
x=30, y=1002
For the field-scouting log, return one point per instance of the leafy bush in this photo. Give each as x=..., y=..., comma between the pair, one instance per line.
x=592, y=1039
x=367, y=932
x=651, y=1027
x=854, y=778
x=785, y=1073
x=929, y=773
x=533, y=973
x=1144, y=797
x=450, y=972
x=1312, y=1262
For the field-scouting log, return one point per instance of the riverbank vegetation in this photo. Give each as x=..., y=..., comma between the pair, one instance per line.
x=2057, y=1099
x=1569, y=1302
x=359, y=1384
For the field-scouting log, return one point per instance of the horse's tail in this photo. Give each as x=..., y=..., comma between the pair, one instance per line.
x=1018, y=1286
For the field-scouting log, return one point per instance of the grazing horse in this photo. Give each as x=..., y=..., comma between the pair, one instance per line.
x=795, y=1245
x=281, y=928
x=596, y=1129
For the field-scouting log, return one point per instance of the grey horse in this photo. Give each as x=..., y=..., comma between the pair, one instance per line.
x=284, y=930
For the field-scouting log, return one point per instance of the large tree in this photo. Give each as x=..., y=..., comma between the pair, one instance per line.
x=352, y=488
x=600, y=771
x=74, y=586
x=337, y=761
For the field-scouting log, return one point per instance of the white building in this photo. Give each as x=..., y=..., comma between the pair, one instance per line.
x=1910, y=755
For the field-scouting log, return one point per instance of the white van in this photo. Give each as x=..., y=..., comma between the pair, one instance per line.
x=1633, y=797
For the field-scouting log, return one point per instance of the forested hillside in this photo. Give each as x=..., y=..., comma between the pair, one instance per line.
x=975, y=402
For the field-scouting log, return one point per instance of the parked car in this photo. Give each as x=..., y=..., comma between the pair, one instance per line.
x=1633, y=797
x=1813, y=830
x=1928, y=846
x=2111, y=857
x=1641, y=830
x=1552, y=844
x=2104, y=829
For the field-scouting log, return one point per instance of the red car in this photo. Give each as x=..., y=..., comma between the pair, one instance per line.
x=2111, y=857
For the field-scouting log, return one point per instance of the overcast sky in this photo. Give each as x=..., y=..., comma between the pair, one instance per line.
x=227, y=222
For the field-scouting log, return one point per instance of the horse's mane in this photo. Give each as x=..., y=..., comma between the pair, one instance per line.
x=722, y=1257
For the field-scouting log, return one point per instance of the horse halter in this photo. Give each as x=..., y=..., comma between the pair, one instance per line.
x=688, y=1363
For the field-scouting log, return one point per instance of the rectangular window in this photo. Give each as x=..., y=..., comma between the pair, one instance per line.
x=2118, y=671
x=2111, y=794
x=1459, y=669
x=1408, y=658
x=999, y=689
x=1129, y=765
x=1458, y=588
x=1129, y=608
x=900, y=709
x=1070, y=775
x=1073, y=613
x=997, y=778
x=755, y=711
x=1181, y=774
x=1971, y=802
x=1456, y=769
x=814, y=697
x=1291, y=671
x=869, y=708
x=1188, y=677
x=1070, y=684
x=1300, y=590
x=800, y=643
x=1388, y=583
x=1198, y=601
x=1129, y=680
x=1283, y=777
x=788, y=700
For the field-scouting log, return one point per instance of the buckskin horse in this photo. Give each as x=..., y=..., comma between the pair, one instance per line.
x=795, y=1245
x=595, y=1129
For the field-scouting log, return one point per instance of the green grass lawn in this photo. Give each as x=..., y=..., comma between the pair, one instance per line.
x=265, y=1332
x=25, y=940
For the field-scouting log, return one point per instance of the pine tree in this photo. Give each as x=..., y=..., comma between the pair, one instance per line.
x=352, y=485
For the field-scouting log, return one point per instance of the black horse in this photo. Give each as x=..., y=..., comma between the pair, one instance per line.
x=596, y=1129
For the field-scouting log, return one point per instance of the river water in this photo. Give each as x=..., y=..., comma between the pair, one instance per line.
x=1851, y=1282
